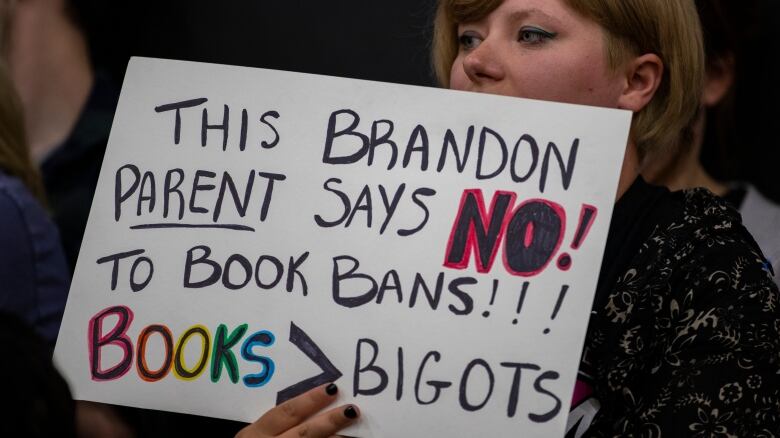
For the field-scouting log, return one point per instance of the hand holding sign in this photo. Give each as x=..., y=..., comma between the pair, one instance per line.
x=299, y=417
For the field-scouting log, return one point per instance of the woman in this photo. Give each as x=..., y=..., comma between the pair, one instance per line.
x=683, y=339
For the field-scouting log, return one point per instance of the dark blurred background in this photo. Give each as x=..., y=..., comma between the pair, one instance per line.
x=389, y=41
x=385, y=41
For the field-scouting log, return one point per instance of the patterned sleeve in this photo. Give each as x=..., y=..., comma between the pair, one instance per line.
x=715, y=363
x=689, y=341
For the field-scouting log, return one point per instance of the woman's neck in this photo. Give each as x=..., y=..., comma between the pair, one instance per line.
x=629, y=171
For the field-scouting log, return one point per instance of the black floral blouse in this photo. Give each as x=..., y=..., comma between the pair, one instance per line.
x=684, y=339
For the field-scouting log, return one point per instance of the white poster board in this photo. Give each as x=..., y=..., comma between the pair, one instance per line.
x=256, y=233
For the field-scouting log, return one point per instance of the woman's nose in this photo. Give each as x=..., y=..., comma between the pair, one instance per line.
x=483, y=65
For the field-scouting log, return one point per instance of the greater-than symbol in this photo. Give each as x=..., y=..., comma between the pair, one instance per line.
x=330, y=373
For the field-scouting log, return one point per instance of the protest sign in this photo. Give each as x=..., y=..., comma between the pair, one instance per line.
x=256, y=233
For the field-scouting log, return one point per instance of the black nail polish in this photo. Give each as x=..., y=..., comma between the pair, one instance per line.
x=331, y=389
x=350, y=412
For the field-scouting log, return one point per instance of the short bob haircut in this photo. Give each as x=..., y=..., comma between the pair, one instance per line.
x=667, y=28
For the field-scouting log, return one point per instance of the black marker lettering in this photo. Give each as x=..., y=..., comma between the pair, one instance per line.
x=482, y=143
x=423, y=191
x=419, y=283
x=363, y=203
x=514, y=393
x=173, y=189
x=344, y=200
x=390, y=206
x=464, y=297
x=275, y=141
x=205, y=126
x=121, y=196
x=463, y=398
x=227, y=183
x=269, y=191
x=216, y=270
x=277, y=266
x=449, y=142
x=196, y=187
x=566, y=170
x=246, y=267
x=293, y=271
x=418, y=132
x=384, y=139
x=370, y=367
x=115, y=267
x=437, y=385
x=339, y=277
x=146, y=181
x=178, y=106
x=534, y=158
x=543, y=418
x=387, y=286
x=327, y=156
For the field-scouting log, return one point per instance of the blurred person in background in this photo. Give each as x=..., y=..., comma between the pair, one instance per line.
x=54, y=88
x=716, y=127
x=68, y=108
x=34, y=278
x=34, y=282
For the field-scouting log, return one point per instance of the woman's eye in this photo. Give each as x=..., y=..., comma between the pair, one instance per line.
x=532, y=35
x=469, y=41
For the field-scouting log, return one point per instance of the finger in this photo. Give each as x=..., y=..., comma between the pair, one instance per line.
x=325, y=424
x=296, y=410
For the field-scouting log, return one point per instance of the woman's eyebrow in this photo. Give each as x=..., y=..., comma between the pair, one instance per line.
x=523, y=14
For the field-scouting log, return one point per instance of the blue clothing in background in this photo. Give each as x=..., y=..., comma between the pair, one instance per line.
x=34, y=277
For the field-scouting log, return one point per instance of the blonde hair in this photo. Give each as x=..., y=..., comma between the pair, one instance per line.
x=667, y=28
x=14, y=155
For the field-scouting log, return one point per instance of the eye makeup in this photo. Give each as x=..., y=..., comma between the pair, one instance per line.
x=469, y=40
x=534, y=35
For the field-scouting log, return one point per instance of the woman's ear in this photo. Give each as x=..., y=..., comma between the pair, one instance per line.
x=643, y=77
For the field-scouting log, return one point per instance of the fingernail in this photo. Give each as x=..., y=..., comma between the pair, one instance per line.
x=350, y=412
x=331, y=389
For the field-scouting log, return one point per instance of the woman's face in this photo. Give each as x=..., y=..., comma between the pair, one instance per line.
x=538, y=49
x=541, y=49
